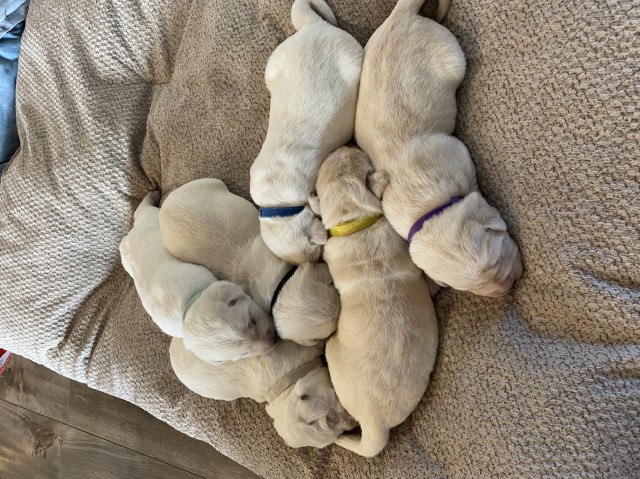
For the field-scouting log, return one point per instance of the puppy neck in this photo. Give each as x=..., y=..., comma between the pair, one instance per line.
x=337, y=210
x=264, y=271
x=284, y=358
x=287, y=179
x=195, y=297
x=417, y=226
x=353, y=226
x=288, y=380
x=407, y=205
x=278, y=289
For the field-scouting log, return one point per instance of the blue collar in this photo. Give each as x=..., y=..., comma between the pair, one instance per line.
x=280, y=211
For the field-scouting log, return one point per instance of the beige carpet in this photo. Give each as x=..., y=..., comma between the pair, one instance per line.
x=118, y=97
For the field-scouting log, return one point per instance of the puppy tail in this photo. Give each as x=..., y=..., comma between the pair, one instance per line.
x=304, y=12
x=373, y=440
x=412, y=7
x=151, y=200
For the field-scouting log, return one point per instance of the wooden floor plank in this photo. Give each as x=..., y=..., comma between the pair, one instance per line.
x=34, y=387
x=34, y=446
x=128, y=425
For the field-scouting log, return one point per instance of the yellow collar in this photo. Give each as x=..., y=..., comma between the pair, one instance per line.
x=353, y=226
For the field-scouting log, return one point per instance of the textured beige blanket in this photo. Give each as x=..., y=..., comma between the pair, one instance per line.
x=116, y=97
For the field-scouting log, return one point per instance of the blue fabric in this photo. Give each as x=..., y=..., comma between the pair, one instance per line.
x=280, y=212
x=12, y=20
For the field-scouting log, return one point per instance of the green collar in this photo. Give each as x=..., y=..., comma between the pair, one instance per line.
x=192, y=300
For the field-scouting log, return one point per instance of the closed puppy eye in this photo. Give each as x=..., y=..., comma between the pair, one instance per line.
x=232, y=302
x=304, y=397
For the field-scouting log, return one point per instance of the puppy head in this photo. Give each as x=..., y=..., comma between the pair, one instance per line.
x=225, y=324
x=348, y=188
x=309, y=413
x=308, y=307
x=468, y=248
x=296, y=238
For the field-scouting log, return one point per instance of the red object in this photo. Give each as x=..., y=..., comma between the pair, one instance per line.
x=4, y=358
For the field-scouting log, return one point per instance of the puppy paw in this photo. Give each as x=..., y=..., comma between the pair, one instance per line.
x=314, y=204
x=377, y=182
x=154, y=196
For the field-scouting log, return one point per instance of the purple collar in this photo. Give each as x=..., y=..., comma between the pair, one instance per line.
x=417, y=226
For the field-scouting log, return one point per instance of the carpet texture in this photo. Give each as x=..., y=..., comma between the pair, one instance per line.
x=116, y=97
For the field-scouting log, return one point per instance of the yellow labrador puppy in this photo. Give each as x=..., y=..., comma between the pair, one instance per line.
x=202, y=222
x=216, y=319
x=384, y=349
x=404, y=122
x=313, y=80
x=291, y=379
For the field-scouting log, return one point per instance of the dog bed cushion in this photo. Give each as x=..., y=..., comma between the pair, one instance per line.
x=118, y=97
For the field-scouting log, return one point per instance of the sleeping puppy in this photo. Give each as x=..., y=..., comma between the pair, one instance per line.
x=203, y=223
x=216, y=319
x=313, y=80
x=404, y=121
x=291, y=379
x=384, y=350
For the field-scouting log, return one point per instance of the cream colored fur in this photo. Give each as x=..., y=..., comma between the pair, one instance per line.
x=384, y=350
x=404, y=122
x=202, y=222
x=307, y=413
x=313, y=80
x=222, y=324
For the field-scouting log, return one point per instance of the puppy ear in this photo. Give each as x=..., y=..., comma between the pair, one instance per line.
x=231, y=293
x=340, y=420
x=314, y=204
x=377, y=182
x=496, y=223
x=317, y=233
x=312, y=409
x=488, y=216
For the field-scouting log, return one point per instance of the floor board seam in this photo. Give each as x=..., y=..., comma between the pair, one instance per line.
x=102, y=438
